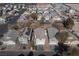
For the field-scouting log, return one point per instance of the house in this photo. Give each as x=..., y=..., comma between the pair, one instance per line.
x=23, y=6
x=25, y=36
x=9, y=44
x=72, y=11
x=2, y=20
x=39, y=17
x=40, y=12
x=42, y=6
x=4, y=11
x=54, y=13
x=47, y=15
x=9, y=39
x=39, y=34
x=51, y=37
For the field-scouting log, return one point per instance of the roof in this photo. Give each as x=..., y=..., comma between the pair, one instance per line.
x=40, y=36
x=51, y=35
x=53, y=41
x=52, y=32
x=2, y=20
x=43, y=5
x=40, y=42
x=54, y=13
x=9, y=42
x=10, y=35
x=26, y=35
x=39, y=33
x=23, y=40
x=74, y=5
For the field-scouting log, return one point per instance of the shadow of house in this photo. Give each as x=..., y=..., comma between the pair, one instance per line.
x=41, y=55
x=21, y=54
x=30, y=53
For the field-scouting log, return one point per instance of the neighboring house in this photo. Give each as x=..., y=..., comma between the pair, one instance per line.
x=23, y=6
x=39, y=38
x=72, y=11
x=58, y=9
x=40, y=12
x=2, y=20
x=51, y=37
x=47, y=15
x=4, y=11
x=34, y=10
x=10, y=38
x=42, y=6
x=25, y=36
x=39, y=17
x=54, y=13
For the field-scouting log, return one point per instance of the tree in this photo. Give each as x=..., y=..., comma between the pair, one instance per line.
x=62, y=36
x=72, y=52
x=1, y=43
x=61, y=49
x=68, y=23
x=34, y=15
x=16, y=27
x=28, y=24
x=1, y=35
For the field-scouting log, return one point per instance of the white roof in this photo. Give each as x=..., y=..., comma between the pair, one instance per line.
x=9, y=42
x=26, y=13
x=56, y=18
x=74, y=42
x=10, y=35
x=39, y=33
x=47, y=18
x=2, y=20
x=70, y=38
x=23, y=40
x=40, y=36
x=71, y=11
x=40, y=41
x=39, y=17
x=53, y=41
